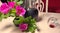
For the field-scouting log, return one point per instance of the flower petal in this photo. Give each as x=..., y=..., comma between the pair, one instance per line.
x=20, y=10
x=11, y=4
x=4, y=8
x=23, y=26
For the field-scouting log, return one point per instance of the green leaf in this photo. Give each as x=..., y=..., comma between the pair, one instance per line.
x=13, y=12
x=29, y=17
x=19, y=20
x=20, y=2
x=0, y=17
x=15, y=0
x=8, y=0
x=31, y=29
x=0, y=14
x=33, y=21
x=5, y=15
x=26, y=20
x=16, y=22
x=33, y=25
x=33, y=32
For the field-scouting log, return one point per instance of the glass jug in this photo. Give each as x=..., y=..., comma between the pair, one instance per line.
x=38, y=4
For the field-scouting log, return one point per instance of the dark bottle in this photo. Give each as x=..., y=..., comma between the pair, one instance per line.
x=4, y=1
x=33, y=12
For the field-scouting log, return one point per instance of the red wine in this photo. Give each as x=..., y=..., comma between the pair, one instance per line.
x=52, y=26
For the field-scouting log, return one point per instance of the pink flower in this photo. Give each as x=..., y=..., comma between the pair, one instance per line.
x=23, y=26
x=4, y=8
x=11, y=4
x=20, y=11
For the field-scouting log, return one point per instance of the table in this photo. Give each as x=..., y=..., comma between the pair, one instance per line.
x=7, y=26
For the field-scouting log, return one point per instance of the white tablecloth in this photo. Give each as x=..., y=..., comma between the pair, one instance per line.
x=7, y=26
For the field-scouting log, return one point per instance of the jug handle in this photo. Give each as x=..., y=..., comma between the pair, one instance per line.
x=41, y=6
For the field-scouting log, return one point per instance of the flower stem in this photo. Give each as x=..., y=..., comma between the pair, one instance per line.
x=33, y=32
x=11, y=0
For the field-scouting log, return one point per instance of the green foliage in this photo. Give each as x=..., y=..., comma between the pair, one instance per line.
x=32, y=25
x=3, y=16
x=0, y=16
x=10, y=0
x=29, y=20
x=12, y=12
x=18, y=20
x=20, y=2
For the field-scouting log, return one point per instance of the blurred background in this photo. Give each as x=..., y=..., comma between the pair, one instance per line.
x=53, y=5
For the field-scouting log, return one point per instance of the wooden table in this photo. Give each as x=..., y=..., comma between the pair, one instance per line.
x=7, y=26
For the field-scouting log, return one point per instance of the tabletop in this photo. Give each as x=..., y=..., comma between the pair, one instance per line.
x=7, y=26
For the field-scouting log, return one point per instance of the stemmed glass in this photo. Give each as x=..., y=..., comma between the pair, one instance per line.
x=53, y=22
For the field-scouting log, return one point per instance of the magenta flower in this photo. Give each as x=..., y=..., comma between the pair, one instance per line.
x=20, y=11
x=11, y=4
x=23, y=27
x=4, y=8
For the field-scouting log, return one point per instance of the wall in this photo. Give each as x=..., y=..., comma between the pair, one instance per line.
x=54, y=6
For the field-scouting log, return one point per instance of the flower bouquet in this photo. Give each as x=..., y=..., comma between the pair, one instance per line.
x=13, y=8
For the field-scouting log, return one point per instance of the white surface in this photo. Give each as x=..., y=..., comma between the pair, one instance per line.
x=42, y=25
